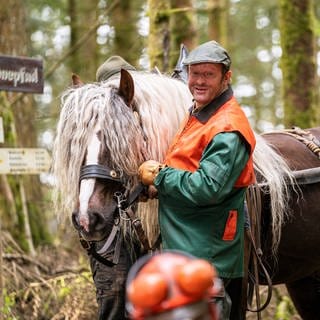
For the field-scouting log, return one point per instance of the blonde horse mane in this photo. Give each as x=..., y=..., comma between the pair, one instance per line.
x=276, y=177
x=161, y=104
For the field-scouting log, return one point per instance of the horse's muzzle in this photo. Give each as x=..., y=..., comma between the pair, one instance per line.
x=98, y=226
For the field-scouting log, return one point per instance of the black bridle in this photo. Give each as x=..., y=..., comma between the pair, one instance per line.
x=124, y=209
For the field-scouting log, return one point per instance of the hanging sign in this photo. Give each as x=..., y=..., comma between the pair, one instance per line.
x=1, y=131
x=21, y=74
x=24, y=160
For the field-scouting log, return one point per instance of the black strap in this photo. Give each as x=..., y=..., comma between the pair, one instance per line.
x=91, y=250
x=99, y=171
x=135, y=194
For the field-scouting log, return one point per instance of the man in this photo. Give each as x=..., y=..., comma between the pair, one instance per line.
x=201, y=186
x=111, y=67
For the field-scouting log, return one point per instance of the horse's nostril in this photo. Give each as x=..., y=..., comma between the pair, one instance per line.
x=75, y=218
x=96, y=219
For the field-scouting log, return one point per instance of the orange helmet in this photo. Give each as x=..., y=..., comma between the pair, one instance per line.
x=171, y=285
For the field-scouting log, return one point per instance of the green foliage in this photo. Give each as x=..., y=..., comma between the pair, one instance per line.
x=285, y=309
x=9, y=301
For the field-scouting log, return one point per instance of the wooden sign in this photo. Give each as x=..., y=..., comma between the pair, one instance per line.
x=24, y=160
x=21, y=74
x=1, y=131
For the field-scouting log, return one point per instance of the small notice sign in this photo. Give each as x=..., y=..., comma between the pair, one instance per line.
x=21, y=74
x=1, y=131
x=24, y=160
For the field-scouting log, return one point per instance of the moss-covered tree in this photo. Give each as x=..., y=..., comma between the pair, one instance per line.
x=218, y=21
x=126, y=41
x=159, y=34
x=83, y=14
x=182, y=28
x=298, y=62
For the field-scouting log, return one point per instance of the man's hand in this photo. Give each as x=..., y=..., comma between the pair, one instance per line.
x=148, y=171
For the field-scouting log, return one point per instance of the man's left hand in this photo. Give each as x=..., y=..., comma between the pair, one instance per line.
x=148, y=171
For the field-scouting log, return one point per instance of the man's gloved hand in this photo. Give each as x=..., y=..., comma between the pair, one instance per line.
x=148, y=171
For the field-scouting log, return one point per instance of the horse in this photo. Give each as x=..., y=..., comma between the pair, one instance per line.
x=104, y=133
x=292, y=256
x=106, y=130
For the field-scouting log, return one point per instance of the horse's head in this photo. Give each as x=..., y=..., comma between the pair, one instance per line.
x=105, y=131
x=105, y=180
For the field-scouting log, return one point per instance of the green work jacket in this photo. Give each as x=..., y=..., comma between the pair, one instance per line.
x=201, y=212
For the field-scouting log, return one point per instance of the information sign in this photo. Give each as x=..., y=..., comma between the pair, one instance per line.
x=24, y=160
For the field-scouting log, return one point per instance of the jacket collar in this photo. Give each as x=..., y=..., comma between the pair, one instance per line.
x=205, y=113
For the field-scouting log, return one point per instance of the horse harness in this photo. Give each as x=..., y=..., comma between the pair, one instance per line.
x=125, y=202
x=306, y=176
x=253, y=217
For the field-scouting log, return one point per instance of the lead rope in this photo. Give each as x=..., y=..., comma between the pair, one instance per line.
x=253, y=198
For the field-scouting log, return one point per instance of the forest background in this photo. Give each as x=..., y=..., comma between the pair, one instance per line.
x=275, y=51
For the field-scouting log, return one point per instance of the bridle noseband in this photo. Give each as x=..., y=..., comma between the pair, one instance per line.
x=125, y=201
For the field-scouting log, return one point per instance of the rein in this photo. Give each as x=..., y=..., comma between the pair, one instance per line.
x=125, y=202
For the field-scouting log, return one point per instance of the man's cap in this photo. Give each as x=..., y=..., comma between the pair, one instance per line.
x=112, y=66
x=208, y=52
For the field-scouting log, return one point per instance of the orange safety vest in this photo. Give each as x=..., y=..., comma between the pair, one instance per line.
x=193, y=137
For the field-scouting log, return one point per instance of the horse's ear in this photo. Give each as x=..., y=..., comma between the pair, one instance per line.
x=126, y=87
x=76, y=81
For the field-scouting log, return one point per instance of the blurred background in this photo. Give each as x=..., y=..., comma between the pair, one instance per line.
x=275, y=50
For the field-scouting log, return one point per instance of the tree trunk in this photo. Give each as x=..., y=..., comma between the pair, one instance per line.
x=125, y=20
x=298, y=62
x=159, y=34
x=83, y=60
x=182, y=28
x=218, y=21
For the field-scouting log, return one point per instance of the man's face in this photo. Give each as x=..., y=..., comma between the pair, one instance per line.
x=206, y=82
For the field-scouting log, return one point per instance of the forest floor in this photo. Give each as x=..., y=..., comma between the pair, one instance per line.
x=56, y=284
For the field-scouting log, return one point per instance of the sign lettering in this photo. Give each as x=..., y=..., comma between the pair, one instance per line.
x=24, y=160
x=21, y=74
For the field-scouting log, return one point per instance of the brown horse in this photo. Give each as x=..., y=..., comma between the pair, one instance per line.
x=106, y=130
x=297, y=259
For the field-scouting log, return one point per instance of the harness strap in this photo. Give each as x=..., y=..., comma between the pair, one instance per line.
x=136, y=222
x=253, y=235
x=91, y=250
x=126, y=206
x=110, y=239
x=304, y=136
x=135, y=194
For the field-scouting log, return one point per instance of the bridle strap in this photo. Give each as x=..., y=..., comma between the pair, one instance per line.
x=133, y=196
x=125, y=205
x=89, y=246
x=99, y=171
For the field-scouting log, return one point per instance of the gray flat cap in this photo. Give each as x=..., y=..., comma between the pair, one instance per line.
x=112, y=66
x=208, y=52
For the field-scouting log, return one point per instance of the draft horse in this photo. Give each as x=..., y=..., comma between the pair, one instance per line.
x=106, y=130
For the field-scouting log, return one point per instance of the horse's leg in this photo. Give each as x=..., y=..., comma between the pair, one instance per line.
x=110, y=286
x=110, y=289
x=305, y=294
